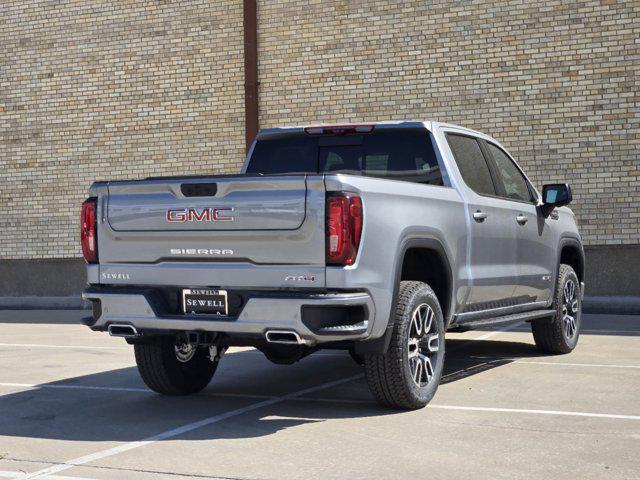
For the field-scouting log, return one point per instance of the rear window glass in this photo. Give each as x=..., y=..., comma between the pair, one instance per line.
x=397, y=154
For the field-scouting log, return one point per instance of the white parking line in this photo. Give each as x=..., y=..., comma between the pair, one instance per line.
x=66, y=347
x=538, y=362
x=235, y=349
x=517, y=327
x=50, y=471
x=611, y=332
x=498, y=331
x=124, y=389
x=536, y=412
x=8, y=474
x=596, y=331
x=75, y=387
x=297, y=396
x=327, y=353
x=180, y=430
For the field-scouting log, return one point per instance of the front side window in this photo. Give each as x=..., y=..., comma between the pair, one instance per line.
x=471, y=163
x=513, y=183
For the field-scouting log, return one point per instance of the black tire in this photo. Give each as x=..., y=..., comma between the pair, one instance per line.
x=164, y=373
x=389, y=375
x=554, y=336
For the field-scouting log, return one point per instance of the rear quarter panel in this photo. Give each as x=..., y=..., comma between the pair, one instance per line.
x=394, y=212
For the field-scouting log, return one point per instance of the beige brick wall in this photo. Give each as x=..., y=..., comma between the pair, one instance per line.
x=99, y=90
x=109, y=90
x=556, y=81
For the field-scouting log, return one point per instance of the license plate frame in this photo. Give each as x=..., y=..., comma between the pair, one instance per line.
x=206, y=301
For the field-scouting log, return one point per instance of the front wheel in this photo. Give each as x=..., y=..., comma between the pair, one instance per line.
x=408, y=374
x=171, y=366
x=560, y=334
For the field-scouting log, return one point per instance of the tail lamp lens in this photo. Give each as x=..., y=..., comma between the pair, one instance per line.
x=344, y=228
x=88, y=238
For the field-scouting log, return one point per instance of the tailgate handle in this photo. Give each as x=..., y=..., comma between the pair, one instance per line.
x=198, y=189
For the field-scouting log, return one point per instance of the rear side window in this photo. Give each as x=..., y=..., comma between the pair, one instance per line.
x=472, y=164
x=406, y=155
x=510, y=178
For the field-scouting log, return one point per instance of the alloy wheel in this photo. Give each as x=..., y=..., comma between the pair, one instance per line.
x=423, y=345
x=570, y=309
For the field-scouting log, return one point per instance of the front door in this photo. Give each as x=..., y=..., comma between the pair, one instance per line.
x=491, y=268
x=536, y=254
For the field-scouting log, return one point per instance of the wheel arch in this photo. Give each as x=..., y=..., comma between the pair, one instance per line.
x=571, y=252
x=414, y=253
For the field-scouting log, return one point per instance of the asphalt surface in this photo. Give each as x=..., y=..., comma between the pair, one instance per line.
x=73, y=406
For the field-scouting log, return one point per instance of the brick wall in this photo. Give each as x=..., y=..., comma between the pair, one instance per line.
x=97, y=90
x=109, y=90
x=557, y=82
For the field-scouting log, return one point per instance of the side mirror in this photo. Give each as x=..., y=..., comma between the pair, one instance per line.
x=555, y=195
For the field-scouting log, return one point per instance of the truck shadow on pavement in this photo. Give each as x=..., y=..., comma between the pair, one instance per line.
x=114, y=405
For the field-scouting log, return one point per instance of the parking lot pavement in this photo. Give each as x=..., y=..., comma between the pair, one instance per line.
x=72, y=406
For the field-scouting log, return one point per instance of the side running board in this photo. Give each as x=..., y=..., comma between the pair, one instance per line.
x=516, y=317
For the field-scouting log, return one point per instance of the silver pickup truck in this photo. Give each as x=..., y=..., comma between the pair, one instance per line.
x=371, y=238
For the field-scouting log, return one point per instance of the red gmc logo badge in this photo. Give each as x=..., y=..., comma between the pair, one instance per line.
x=207, y=214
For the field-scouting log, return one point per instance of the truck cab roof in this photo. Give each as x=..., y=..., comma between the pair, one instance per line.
x=386, y=124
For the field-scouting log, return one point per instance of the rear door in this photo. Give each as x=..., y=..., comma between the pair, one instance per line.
x=535, y=253
x=492, y=244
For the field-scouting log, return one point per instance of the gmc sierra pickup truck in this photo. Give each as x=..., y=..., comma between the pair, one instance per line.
x=372, y=238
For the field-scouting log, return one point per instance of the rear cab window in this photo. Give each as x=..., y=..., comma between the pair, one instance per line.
x=398, y=154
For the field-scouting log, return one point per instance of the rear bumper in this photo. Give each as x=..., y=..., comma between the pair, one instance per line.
x=315, y=317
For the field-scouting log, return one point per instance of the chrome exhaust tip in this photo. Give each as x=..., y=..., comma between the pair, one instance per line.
x=122, y=330
x=287, y=337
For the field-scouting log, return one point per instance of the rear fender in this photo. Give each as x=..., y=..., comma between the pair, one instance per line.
x=380, y=345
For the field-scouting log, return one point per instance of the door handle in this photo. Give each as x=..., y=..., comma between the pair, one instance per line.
x=479, y=216
x=522, y=219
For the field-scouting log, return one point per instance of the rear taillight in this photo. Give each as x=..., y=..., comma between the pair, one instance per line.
x=88, y=237
x=344, y=227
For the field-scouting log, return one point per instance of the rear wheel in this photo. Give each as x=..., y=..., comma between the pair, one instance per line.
x=172, y=366
x=560, y=335
x=408, y=374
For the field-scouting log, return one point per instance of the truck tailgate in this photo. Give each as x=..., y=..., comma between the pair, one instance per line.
x=237, y=204
x=209, y=231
